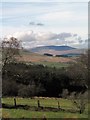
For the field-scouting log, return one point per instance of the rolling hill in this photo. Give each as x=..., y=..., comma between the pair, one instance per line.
x=53, y=60
x=35, y=57
x=57, y=50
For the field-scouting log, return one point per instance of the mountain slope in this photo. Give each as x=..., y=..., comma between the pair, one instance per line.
x=37, y=58
x=56, y=48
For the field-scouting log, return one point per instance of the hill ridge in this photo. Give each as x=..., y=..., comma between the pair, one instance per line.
x=52, y=47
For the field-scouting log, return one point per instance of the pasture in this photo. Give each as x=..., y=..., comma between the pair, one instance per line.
x=36, y=58
x=28, y=108
x=52, y=64
x=49, y=61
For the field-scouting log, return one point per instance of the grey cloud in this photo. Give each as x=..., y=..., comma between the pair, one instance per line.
x=61, y=36
x=36, y=24
x=86, y=41
x=32, y=39
x=64, y=35
x=32, y=23
x=25, y=36
x=80, y=40
x=40, y=24
x=71, y=42
x=74, y=35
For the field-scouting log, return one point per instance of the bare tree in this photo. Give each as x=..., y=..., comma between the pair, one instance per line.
x=80, y=101
x=10, y=48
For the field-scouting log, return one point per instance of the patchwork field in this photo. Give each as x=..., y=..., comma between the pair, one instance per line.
x=42, y=58
x=28, y=108
x=49, y=61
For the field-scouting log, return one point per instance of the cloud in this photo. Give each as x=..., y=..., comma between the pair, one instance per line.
x=25, y=36
x=64, y=35
x=86, y=41
x=40, y=24
x=45, y=1
x=37, y=24
x=54, y=16
x=32, y=23
x=32, y=39
x=74, y=35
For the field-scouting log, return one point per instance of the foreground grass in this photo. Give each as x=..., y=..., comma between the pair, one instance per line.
x=19, y=113
x=45, y=102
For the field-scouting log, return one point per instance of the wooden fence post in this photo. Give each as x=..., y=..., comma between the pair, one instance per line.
x=58, y=105
x=15, y=102
x=38, y=103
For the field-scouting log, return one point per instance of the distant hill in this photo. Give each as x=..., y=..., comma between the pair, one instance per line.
x=57, y=50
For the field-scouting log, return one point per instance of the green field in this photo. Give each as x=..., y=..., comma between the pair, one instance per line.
x=52, y=64
x=40, y=113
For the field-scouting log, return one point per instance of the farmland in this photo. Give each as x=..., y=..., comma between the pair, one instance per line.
x=34, y=112
x=34, y=57
x=50, y=61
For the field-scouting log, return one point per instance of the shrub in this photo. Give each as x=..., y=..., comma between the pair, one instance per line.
x=65, y=93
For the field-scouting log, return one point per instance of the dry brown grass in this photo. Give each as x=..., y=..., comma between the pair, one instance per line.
x=41, y=58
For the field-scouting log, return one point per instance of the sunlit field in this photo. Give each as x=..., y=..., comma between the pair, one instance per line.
x=28, y=108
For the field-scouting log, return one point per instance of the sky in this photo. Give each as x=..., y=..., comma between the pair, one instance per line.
x=44, y=0
x=45, y=22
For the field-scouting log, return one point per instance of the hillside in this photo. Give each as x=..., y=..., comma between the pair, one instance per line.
x=56, y=50
x=52, y=56
x=34, y=57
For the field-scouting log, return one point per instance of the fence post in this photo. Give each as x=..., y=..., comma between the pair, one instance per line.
x=15, y=102
x=38, y=103
x=58, y=105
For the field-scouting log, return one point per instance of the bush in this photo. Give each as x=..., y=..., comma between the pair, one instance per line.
x=80, y=101
x=65, y=93
x=30, y=90
x=23, y=91
x=9, y=87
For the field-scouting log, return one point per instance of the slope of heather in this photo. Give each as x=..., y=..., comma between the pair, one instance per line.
x=34, y=57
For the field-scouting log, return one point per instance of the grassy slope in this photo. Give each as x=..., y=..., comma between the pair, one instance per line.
x=48, y=102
